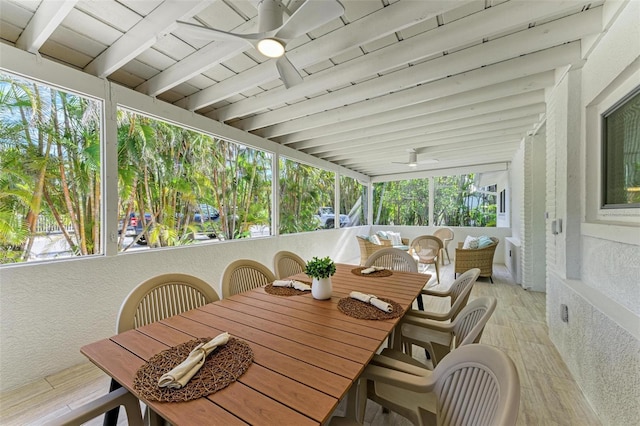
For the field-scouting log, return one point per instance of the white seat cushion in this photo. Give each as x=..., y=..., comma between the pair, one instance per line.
x=470, y=243
x=395, y=238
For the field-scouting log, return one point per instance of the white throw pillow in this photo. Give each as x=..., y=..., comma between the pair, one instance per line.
x=470, y=242
x=375, y=240
x=395, y=238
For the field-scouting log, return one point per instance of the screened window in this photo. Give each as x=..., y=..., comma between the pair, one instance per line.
x=178, y=186
x=353, y=202
x=307, y=196
x=621, y=153
x=458, y=202
x=401, y=202
x=50, y=172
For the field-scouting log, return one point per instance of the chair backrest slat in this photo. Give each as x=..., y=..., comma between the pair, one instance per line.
x=474, y=400
x=469, y=325
x=477, y=385
x=161, y=297
x=286, y=264
x=460, y=291
x=244, y=275
x=394, y=259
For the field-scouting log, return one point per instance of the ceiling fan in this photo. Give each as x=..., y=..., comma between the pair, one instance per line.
x=413, y=159
x=273, y=35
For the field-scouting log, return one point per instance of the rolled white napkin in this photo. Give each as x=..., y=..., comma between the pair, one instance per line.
x=371, y=269
x=372, y=300
x=183, y=372
x=292, y=283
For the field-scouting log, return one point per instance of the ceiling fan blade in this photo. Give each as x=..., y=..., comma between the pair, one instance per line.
x=288, y=73
x=205, y=33
x=269, y=15
x=311, y=15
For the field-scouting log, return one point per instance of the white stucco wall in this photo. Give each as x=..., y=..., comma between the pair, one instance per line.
x=517, y=170
x=528, y=170
x=601, y=341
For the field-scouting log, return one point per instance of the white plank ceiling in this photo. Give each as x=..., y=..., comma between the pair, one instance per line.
x=461, y=82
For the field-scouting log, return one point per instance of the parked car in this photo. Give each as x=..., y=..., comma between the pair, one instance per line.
x=205, y=212
x=326, y=218
x=203, y=217
x=134, y=225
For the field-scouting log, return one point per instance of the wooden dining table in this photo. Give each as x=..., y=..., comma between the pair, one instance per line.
x=307, y=353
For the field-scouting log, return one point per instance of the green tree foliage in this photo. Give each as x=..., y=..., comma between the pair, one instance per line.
x=49, y=168
x=303, y=190
x=401, y=203
x=353, y=200
x=166, y=171
x=50, y=154
x=458, y=203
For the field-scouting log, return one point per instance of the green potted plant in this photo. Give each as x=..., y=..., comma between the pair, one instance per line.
x=321, y=270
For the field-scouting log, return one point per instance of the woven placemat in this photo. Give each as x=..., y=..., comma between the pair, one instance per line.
x=358, y=309
x=285, y=291
x=376, y=274
x=222, y=367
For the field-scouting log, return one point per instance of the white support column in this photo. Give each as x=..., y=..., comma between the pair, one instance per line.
x=336, y=200
x=370, y=203
x=110, y=172
x=275, y=194
x=432, y=196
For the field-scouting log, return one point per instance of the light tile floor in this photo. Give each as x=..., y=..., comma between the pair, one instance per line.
x=549, y=395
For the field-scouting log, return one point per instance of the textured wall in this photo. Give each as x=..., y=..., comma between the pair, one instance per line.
x=533, y=212
x=556, y=113
x=518, y=169
x=613, y=269
x=602, y=356
x=601, y=342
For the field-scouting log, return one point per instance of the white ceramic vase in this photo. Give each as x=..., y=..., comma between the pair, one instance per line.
x=321, y=288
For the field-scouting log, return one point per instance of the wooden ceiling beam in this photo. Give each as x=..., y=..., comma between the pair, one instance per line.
x=43, y=23
x=144, y=34
x=526, y=65
x=393, y=146
x=509, y=107
x=484, y=122
x=445, y=38
x=388, y=20
x=467, y=89
x=491, y=156
x=476, y=100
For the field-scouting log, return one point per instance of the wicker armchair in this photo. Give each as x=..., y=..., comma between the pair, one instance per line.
x=367, y=248
x=481, y=258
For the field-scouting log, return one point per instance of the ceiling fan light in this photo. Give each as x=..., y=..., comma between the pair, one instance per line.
x=412, y=164
x=271, y=47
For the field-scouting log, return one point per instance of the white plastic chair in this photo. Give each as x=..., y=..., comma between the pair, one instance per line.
x=446, y=235
x=475, y=385
x=100, y=406
x=244, y=275
x=427, y=250
x=396, y=260
x=439, y=338
x=153, y=300
x=286, y=264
